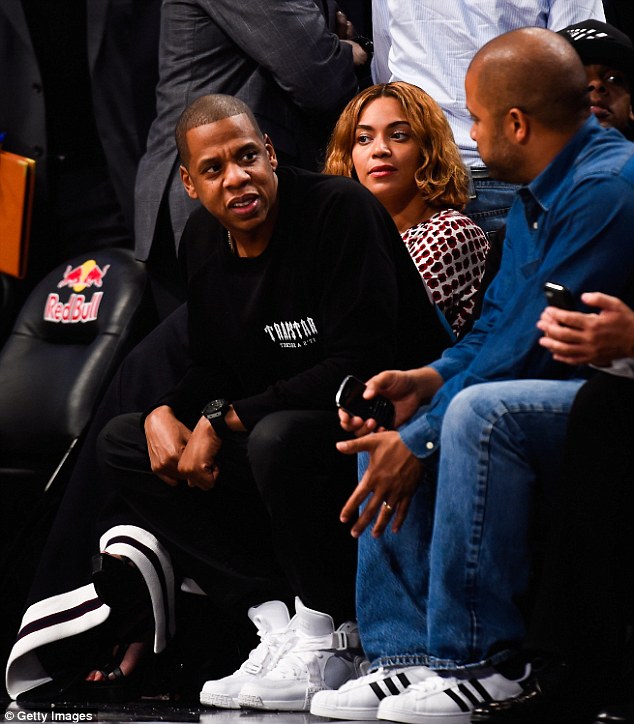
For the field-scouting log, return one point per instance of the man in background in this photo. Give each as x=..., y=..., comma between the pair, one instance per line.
x=77, y=86
x=608, y=57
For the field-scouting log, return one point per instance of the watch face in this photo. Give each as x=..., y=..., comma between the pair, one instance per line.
x=214, y=408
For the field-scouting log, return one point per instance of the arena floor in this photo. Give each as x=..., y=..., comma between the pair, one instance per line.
x=169, y=713
x=163, y=712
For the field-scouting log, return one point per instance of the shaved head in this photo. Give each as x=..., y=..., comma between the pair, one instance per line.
x=209, y=109
x=537, y=71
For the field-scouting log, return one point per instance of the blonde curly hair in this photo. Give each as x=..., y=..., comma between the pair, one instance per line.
x=441, y=177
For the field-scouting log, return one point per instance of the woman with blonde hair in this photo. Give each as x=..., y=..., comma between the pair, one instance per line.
x=395, y=140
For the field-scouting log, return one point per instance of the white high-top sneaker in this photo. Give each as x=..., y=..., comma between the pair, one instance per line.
x=313, y=657
x=271, y=619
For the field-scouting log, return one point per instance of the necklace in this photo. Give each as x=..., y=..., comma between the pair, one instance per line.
x=232, y=246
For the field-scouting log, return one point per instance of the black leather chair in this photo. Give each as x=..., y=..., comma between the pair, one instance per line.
x=64, y=347
x=66, y=343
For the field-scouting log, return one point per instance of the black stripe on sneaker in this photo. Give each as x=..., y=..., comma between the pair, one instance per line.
x=481, y=690
x=465, y=691
x=452, y=695
x=403, y=679
x=391, y=686
x=380, y=694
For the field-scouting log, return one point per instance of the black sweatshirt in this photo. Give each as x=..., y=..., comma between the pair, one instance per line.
x=334, y=293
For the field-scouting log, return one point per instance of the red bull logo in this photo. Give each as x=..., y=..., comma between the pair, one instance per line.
x=76, y=309
x=88, y=274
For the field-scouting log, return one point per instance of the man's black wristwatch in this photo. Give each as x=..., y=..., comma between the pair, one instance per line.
x=215, y=412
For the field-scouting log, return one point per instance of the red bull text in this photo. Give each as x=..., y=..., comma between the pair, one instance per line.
x=76, y=309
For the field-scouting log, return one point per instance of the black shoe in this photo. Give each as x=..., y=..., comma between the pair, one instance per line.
x=74, y=691
x=121, y=586
x=530, y=706
x=622, y=714
x=542, y=699
x=48, y=695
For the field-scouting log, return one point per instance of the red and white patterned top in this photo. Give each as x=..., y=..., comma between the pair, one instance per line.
x=449, y=251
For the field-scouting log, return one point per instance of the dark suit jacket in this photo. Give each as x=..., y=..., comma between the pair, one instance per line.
x=620, y=13
x=276, y=55
x=122, y=44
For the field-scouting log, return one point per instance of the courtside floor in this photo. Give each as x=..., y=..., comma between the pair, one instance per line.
x=163, y=712
x=169, y=713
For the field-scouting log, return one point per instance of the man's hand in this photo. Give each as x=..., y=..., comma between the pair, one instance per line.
x=577, y=338
x=407, y=390
x=166, y=439
x=359, y=56
x=198, y=461
x=343, y=27
x=391, y=479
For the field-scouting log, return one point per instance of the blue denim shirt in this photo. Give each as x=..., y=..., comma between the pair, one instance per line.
x=573, y=224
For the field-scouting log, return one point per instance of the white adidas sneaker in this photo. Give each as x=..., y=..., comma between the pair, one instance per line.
x=449, y=699
x=271, y=619
x=360, y=698
x=314, y=657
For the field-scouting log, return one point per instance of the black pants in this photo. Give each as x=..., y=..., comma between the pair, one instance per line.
x=586, y=591
x=268, y=529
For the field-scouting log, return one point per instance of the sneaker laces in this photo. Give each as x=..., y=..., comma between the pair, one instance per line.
x=377, y=675
x=271, y=645
x=433, y=684
x=293, y=661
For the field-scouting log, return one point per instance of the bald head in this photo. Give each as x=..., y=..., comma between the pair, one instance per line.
x=537, y=71
x=209, y=109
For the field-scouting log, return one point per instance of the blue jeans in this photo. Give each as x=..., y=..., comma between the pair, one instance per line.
x=492, y=203
x=443, y=595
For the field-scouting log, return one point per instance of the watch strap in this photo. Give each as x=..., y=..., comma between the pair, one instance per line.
x=215, y=412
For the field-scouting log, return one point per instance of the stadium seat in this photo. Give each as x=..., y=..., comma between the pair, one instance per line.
x=64, y=347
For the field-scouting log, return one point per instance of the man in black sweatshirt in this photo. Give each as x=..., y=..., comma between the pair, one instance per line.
x=300, y=279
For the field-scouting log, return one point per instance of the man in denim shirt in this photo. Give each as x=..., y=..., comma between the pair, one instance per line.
x=430, y=43
x=444, y=598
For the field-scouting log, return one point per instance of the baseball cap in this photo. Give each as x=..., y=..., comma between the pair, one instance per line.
x=600, y=43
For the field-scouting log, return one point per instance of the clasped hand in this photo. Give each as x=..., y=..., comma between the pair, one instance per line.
x=596, y=338
x=178, y=453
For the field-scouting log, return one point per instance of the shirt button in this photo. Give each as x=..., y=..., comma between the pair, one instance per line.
x=429, y=445
x=535, y=225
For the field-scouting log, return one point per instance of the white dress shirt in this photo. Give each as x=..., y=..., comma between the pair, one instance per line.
x=430, y=43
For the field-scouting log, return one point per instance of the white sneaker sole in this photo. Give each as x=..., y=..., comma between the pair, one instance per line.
x=222, y=702
x=347, y=713
x=255, y=702
x=412, y=718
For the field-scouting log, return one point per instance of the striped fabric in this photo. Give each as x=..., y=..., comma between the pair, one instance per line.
x=430, y=43
x=79, y=610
